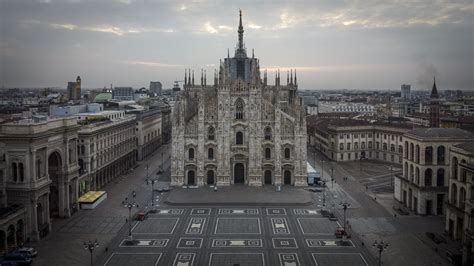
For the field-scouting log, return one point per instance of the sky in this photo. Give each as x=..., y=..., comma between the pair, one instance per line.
x=332, y=44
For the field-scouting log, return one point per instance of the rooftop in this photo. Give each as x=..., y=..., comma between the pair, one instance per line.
x=466, y=146
x=453, y=133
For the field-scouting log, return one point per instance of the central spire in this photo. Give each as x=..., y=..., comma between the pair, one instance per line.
x=240, y=46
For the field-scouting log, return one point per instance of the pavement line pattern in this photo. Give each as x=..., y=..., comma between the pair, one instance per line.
x=280, y=226
x=329, y=243
x=353, y=259
x=288, y=259
x=316, y=224
x=284, y=243
x=184, y=259
x=276, y=211
x=238, y=226
x=170, y=211
x=305, y=212
x=196, y=225
x=148, y=221
x=237, y=243
x=239, y=211
x=258, y=258
x=201, y=211
x=145, y=243
x=117, y=258
x=189, y=243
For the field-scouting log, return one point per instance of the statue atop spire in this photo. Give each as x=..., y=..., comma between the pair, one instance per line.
x=240, y=51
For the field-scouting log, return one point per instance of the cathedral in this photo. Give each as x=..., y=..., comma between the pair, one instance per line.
x=240, y=129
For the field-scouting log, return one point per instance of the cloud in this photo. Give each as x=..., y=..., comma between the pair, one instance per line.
x=150, y=64
x=209, y=28
x=108, y=29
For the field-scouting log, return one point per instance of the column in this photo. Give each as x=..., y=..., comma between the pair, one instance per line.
x=67, y=211
x=48, y=216
x=34, y=221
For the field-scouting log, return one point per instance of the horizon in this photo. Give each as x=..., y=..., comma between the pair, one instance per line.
x=390, y=43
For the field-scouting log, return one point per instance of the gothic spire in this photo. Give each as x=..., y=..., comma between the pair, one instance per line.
x=291, y=77
x=296, y=82
x=434, y=90
x=240, y=45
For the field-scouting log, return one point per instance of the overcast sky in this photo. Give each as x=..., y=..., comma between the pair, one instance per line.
x=333, y=44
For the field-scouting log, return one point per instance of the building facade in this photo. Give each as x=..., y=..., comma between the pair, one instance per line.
x=149, y=132
x=423, y=185
x=41, y=171
x=240, y=129
x=155, y=87
x=107, y=148
x=123, y=93
x=460, y=204
x=351, y=140
x=74, y=89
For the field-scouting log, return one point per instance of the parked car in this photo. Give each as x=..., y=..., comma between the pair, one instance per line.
x=27, y=251
x=18, y=258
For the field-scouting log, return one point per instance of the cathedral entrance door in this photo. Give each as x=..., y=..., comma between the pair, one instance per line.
x=210, y=177
x=239, y=173
x=191, y=178
x=287, y=180
x=268, y=177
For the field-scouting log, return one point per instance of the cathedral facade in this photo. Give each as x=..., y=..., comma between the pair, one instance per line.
x=240, y=129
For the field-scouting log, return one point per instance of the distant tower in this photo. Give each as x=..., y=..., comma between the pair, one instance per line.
x=434, y=106
x=77, y=89
x=406, y=92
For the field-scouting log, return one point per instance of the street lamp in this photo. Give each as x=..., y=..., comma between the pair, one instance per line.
x=391, y=177
x=129, y=204
x=332, y=177
x=151, y=181
x=322, y=169
x=91, y=246
x=380, y=246
x=323, y=183
x=345, y=205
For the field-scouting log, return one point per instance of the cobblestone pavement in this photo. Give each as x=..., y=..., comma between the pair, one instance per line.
x=235, y=235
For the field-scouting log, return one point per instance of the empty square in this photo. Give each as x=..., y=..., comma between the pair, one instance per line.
x=238, y=226
x=242, y=259
x=156, y=226
x=353, y=259
x=288, y=259
x=317, y=226
x=182, y=259
x=138, y=259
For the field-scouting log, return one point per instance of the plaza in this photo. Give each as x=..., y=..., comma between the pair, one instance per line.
x=236, y=235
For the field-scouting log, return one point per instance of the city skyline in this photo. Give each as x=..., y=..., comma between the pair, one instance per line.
x=342, y=45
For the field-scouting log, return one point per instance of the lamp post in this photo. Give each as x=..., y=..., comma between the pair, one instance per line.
x=345, y=205
x=129, y=204
x=91, y=246
x=152, y=181
x=391, y=176
x=323, y=183
x=332, y=177
x=380, y=246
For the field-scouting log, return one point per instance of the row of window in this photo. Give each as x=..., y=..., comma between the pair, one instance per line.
x=210, y=153
x=377, y=146
x=362, y=135
x=211, y=134
x=413, y=174
x=412, y=153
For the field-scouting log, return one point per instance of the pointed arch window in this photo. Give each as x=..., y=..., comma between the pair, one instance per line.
x=268, y=133
x=211, y=133
x=239, y=109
